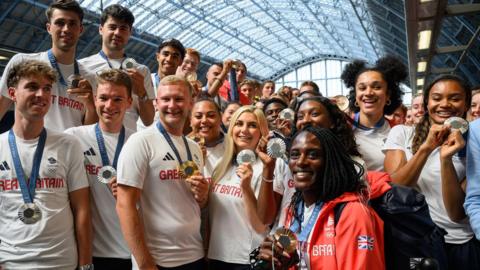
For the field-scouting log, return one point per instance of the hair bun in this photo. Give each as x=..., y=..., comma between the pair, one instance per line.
x=351, y=71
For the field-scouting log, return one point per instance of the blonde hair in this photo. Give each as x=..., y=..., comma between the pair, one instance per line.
x=230, y=149
x=176, y=80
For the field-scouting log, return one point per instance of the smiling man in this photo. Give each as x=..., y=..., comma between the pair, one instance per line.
x=75, y=106
x=170, y=55
x=115, y=29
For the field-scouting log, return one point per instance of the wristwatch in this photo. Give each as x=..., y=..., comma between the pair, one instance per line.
x=144, y=98
x=86, y=267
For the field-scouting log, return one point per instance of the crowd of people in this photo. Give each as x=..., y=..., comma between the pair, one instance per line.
x=110, y=166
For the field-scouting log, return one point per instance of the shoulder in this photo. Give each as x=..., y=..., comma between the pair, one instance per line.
x=357, y=214
x=89, y=59
x=79, y=130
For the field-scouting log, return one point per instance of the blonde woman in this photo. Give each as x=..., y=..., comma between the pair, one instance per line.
x=235, y=226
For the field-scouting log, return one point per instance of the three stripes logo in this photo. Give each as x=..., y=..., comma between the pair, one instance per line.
x=168, y=156
x=89, y=152
x=4, y=166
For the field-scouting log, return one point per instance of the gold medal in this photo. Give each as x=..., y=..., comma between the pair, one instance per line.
x=187, y=169
x=197, y=138
x=287, y=238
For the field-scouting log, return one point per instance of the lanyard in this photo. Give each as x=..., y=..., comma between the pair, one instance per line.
x=103, y=149
x=53, y=62
x=172, y=145
x=104, y=56
x=27, y=187
x=157, y=80
x=356, y=123
x=233, y=94
x=311, y=221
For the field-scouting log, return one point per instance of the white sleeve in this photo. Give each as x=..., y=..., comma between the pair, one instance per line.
x=281, y=174
x=133, y=162
x=397, y=139
x=76, y=174
x=147, y=81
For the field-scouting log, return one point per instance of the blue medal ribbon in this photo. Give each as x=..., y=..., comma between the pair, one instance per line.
x=104, y=56
x=27, y=186
x=356, y=123
x=157, y=80
x=53, y=62
x=103, y=149
x=233, y=95
x=311, y=221
x=172, y=145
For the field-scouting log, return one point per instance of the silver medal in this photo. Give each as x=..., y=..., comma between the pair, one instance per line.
x=106, y=173
x=276, y=148
x=287, y=114
x=191, y=76
x=129, y=63
x=73, y=81
x=29, y=213
x=245, y=156
x=457, y=123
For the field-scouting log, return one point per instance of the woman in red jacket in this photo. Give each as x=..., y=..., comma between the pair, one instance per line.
x=324, y=176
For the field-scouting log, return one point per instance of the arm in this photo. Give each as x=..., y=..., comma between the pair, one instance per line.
x=132, y=227
x=472, y=200
x=145, y=108
x=80, y=204
x=213, y=89
x=199, y=189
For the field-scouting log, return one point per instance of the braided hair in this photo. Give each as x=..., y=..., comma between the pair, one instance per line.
x=393, y=71
x=340, y=173
x=423, y=127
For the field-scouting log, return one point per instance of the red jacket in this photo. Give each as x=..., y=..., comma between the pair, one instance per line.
x=357, y=240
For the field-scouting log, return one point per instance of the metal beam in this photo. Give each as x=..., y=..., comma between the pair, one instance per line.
x=7, y=12
x=469, y=45
x=450, y=49
x=462, y=9
x=368, y=28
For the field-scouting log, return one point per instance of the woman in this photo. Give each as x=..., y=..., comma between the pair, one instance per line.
x=474, y=112
x=324, y=176
x=235, y=228
x=426, y=156
x=375, y=92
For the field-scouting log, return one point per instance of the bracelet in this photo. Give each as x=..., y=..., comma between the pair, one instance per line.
x=267, y=180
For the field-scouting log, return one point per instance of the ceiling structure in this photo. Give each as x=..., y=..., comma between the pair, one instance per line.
x=272, y=37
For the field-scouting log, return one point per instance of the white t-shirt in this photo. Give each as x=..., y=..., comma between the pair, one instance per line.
x=430, y=183
x=108, y=241
x=171, y=216
x=49, y=243
x=96, y=63
x=370, y=144
x=214, y=155
x=66, y=110
x=232, y=237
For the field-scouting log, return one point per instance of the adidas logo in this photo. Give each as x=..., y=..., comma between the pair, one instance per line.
x=89, y=152
x=4, y=166
x=168, y=156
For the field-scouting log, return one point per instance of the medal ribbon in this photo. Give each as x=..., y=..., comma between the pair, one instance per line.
x=27, y=187
x=233, y=95
x=311, y=221
x=103, y=149
x=172, y=145
x=53, y=62
x=104, y=56
x=356, y=123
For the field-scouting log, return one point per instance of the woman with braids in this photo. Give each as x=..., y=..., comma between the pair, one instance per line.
x=429, y=157
x=316, y=111
x=375, y=92
x=325, y=175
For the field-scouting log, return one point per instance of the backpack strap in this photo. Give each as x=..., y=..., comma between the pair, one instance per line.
x=337, y=212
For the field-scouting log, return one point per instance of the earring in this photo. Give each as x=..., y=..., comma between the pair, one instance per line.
x=388, y=102
x=356, y=104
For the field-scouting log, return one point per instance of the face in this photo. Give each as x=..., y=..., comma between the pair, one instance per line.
x=241, y=73
x=287, y=92
x=32, y=97
x=271, y=112
x=268, y=89
x=306, y=161
x=213, y=72
x=246, y=132
x=417, y=109
x=475, y=108
x=397, y=118
x=189, y=64
x=227, y=114
x=206, y=120
x=371, y=92
x=111, y=103
x=446, y=99
x=313, y=113
x=174, y=104
x=409, y=118
x=65, y=28
x=168, y=60
x=295, y=93
x=115, y=34
x=306, y=88
x=248, y=91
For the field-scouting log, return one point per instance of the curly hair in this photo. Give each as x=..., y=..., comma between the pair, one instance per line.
x=422, y=128
x=393, y=71
x=341, y=127
x=340, y=173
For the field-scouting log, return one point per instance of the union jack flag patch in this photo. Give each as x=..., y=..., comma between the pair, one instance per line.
x=365, y=242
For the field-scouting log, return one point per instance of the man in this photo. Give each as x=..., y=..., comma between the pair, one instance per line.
x=46, y=222
x=190, y=62
x=216, y=74
x=417, y=108
x=170, y=55
x=165, y=230
x=272, y=108
x=247, y=88
x=75, y=106
x=309, y=86
x=115, y=29
x=101, y=144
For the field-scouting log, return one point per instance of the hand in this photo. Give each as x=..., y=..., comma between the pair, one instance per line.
x=227, y=64
x=83, y=93
x=436, y=136
x=199, y=187
x=268, y=161
x=265, y=253
x=137, y=82
x=452, y=144
x=245, y=172
x=112, y=184
x=284, y=126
